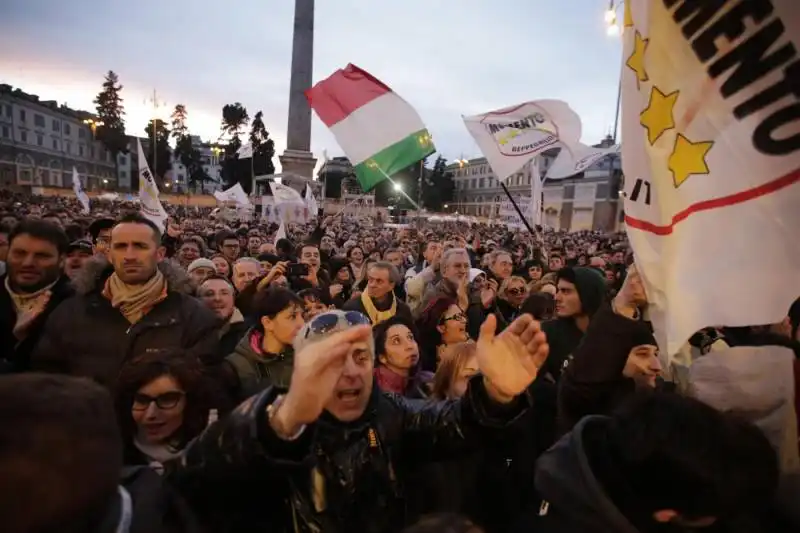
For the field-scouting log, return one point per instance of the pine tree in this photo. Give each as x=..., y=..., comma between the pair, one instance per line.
x=110, y=113
x=234, y=170
x=263, y=148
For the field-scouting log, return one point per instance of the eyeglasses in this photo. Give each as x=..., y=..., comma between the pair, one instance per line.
x=168, y=400
x=325, y=323
x=517, y=291
x=460, y=317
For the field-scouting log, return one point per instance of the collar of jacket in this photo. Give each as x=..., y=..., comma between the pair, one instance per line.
x=97, y=270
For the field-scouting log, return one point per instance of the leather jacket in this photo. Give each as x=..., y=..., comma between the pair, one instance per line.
x=336, y=476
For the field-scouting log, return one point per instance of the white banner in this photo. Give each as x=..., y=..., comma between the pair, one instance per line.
x=311, y=202
x=149, y=202
x=234, y=194
x=83, y=198
x=537, y=187
x=575, y=159
x=510, y=137
x=712, y=166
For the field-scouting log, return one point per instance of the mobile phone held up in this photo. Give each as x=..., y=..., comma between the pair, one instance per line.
x=297, y=270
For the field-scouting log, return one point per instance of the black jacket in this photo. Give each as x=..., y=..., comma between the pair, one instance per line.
x=155, y=506
x=85, y=336
x=14, y=355
x=336, y=477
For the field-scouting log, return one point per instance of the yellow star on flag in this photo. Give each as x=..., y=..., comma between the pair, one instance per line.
x=628, y=20
x=688, y=158
x=658, y=117
x=636, y=60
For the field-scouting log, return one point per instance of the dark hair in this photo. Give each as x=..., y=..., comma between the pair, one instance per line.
x=62, y=489
x=540, y=305
x=676, y=452
x=284, y=246
x=42, y=230
x=4, y=229
x=219, y=277
x=379, y=332
x=316, y=294
x=299, y=250
x=350, y=250
x=75, y=232
x=272, y=301
x=192, y=240
x=443, y=523
x=222, y=236
x=190, y=374
x=136, y=218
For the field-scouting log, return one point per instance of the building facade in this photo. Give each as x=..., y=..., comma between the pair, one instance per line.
x=210, y=158
x=588, y=200
x=41, y=142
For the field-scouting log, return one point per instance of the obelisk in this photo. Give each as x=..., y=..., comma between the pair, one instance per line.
x=298, y=158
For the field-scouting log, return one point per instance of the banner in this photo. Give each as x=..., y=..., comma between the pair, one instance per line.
x=576, y=159
x=83, y=198
x=311, y=202
x=510, y=137
x=149, y=202
x=234, y=194
x=288, y=205
x=537, y=190
x=712, y=162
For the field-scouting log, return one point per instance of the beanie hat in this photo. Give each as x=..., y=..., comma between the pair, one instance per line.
x=201, y=263
x=326, y=324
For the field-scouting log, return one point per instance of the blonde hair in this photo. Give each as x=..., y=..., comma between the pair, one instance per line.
x=508, y=281
x=452, y=363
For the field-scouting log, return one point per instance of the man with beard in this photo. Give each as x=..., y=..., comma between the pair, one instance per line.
x=77, y=254
x=136, y=304
x=33, y=286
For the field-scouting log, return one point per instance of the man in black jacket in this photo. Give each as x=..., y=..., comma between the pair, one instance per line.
x=137, y=304
x=33, y=286
x=333, y=453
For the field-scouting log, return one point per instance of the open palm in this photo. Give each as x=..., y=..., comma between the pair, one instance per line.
x=510, y=361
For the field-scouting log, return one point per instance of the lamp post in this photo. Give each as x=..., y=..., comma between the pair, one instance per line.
x=613, y=29
x=93, y=124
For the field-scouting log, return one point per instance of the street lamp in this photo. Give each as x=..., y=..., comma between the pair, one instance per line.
x=612, y=23
x=398, y=187
x=446, y=206
x=93, y=124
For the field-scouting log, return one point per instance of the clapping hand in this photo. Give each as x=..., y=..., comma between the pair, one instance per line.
x=511, y=361
x=316, y=371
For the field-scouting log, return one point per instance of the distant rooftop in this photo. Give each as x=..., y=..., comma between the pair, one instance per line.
x=50, y=104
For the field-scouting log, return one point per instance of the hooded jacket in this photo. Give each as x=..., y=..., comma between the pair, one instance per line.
x=563, y=334
x=87, y=337
x=253, y=371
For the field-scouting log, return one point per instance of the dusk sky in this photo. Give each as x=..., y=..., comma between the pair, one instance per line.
x=446, y=58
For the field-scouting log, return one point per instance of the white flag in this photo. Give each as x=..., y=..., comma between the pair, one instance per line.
x=234, y=194
x=281, y=233
x=245, y=151
x=712, y=163
x=83, y=198
x=512, y=136
x=284, y=194
x=149, y=202
x=572, y=160
x=311, y=202
x=289, y=205
x=536, y=192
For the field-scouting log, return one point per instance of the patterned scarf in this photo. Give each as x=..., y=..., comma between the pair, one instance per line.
x=135, y=301
x=24, y=302
x=374, y=315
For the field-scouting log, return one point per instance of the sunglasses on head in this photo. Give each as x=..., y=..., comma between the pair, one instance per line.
x=168, y=400
x=325, y=323
x=517, y=291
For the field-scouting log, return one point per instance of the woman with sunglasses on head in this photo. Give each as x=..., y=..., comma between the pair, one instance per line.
x=510, y=298
x=163, y=402
x=264, y=356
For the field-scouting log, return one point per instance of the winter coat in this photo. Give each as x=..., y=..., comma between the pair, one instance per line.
x=14, y=355
x=249, y=372
x=335, y=477
x=402, y=310
x=87, y=337
x=155, y=506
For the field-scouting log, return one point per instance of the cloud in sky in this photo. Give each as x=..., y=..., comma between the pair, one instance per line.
x=447, y=58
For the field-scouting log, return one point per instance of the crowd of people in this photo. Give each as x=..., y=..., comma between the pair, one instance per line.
x=361, y=377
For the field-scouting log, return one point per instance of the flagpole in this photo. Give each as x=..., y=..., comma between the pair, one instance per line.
x=516, y=207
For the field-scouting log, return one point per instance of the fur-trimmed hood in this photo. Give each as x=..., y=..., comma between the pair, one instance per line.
x=95, y=271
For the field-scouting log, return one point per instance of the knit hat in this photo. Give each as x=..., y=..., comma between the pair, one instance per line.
x=326, y=324
x=201, y=263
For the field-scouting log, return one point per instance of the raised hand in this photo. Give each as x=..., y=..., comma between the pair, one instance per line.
x=26, y=318
x=317, y=368
x=511, y=361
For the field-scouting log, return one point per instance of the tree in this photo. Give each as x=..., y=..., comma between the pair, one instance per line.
x=110, y=113
x=437, y=186
x=159, y=156
x=263, y=149
x=185, y=150
x=234, y=170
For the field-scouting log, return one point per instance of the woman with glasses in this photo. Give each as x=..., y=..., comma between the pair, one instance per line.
x=442, y=324
x=163, y=402
x=264, y=356
x=513, y=292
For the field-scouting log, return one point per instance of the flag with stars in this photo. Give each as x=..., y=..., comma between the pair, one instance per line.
x=711, y=158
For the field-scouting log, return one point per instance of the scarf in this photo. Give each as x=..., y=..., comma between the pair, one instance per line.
x=157, y=454
x=375, y=316
x=24, y=302
x=390, y=381
x=135, y=301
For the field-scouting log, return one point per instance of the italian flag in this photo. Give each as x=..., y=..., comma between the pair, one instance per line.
x=379, y=132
